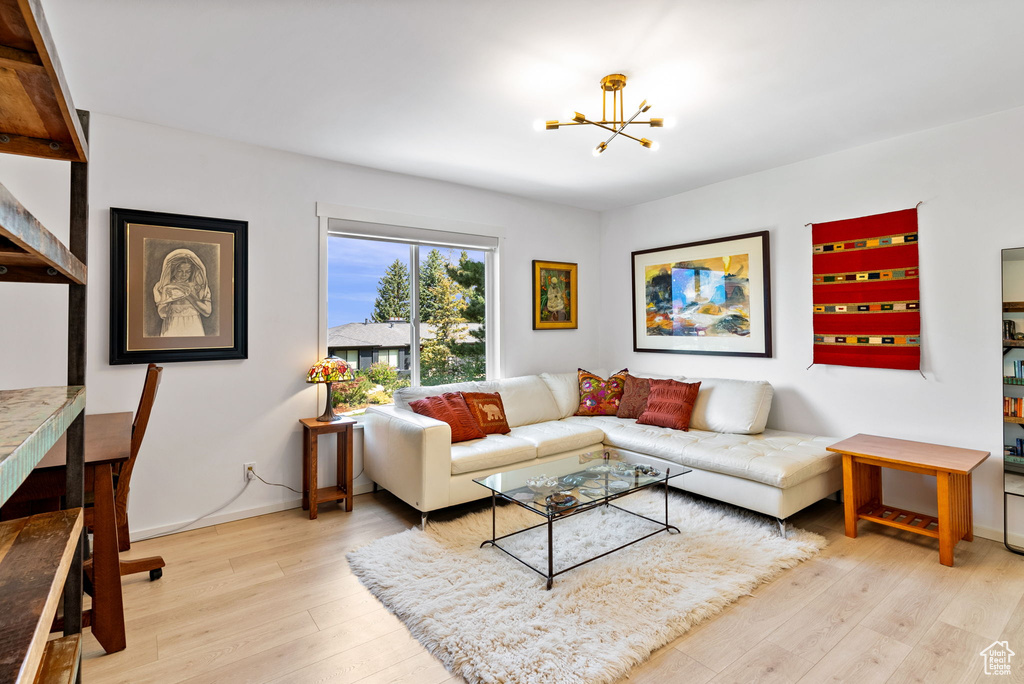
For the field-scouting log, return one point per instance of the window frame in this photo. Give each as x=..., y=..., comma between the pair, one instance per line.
x=359, y=222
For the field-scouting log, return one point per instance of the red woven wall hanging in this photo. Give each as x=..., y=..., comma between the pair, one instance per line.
x=867, y=309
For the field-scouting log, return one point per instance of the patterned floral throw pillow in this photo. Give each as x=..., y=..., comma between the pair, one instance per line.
x=488, y=411
x=634, y=397
x=450, y=408
x=600, y=397
x=670, y=404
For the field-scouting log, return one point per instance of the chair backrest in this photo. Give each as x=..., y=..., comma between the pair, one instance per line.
x=139, y=426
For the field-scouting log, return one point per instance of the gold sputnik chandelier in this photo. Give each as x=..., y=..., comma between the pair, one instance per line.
x=616, y=125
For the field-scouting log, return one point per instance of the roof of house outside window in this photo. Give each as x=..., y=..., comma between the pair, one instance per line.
x=391, y=334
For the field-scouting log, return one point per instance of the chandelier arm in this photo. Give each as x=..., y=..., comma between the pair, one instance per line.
x=621, y=130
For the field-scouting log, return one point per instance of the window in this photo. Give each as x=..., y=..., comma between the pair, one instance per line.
x=407, y=311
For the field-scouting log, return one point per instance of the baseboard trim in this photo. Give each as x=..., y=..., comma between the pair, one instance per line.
x=997, y=535
x=232, y=516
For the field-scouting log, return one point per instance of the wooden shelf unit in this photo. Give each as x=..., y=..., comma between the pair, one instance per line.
x=38, y=117
x=35, y=555
x=31, y=421
x=1013, y=344
x=30, y=253
x=1013, y=307
x=43, y=552
x=61, y=659
x=1012, y=419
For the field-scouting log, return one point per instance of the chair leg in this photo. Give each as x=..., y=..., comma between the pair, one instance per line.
x=153, y=565
x=124, y=542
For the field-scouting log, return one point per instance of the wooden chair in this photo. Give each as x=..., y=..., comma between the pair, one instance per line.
x=151, y=564
x=124, y=475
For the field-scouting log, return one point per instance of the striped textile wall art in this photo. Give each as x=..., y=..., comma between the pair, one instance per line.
x=867, y=309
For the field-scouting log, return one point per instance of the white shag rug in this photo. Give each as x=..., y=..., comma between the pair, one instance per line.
x=489, y=619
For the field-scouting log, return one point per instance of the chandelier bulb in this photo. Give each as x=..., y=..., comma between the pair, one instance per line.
x=539, y=125
x=601, y=147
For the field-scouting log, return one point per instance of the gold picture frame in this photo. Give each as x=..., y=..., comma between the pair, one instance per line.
x=555, y=295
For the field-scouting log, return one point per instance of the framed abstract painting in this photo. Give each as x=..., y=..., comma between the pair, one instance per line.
x=178, y=288
x=555, y=302
x=708, y=297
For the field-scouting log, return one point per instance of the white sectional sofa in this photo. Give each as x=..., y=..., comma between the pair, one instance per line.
x=732, y=456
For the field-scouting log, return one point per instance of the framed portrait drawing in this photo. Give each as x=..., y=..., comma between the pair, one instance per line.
x=178, y=287
x=555, y=302
x=708, y=297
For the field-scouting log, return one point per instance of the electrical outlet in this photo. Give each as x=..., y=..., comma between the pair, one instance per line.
x=249, y=473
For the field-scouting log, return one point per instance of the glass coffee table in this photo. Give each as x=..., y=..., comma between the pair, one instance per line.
x=560, y=489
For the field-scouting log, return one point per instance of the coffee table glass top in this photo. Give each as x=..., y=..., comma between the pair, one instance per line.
x=577, y=482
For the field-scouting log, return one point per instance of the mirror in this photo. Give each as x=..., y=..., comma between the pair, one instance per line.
x=1013, y=389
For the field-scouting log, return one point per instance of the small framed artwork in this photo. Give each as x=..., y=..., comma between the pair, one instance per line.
x=708, y=297
x=178, y=288
x=555, y=299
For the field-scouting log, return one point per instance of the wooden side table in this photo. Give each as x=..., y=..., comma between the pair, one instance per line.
x=864, y=456
x=311, y=494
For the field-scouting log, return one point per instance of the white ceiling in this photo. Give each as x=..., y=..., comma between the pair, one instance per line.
x=449, y=89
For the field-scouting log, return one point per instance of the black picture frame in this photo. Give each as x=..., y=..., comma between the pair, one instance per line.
x=178, y=288
x=756, y=243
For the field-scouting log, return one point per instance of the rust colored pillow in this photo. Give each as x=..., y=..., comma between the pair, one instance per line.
x=634, y=397
x=488, y=411
x=600, y=397
x=670, y=404
x=450, y=408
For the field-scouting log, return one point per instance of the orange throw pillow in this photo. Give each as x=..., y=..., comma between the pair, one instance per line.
x=450, y=408
x=670, y=404
x=488, y=411
x=600, y=397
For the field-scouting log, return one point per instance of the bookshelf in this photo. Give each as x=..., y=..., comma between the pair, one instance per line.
x=41, y=555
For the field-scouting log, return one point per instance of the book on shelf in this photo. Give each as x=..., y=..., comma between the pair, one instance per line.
x=1013, y=407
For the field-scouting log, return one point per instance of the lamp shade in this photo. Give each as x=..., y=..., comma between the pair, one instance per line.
x=330, y=369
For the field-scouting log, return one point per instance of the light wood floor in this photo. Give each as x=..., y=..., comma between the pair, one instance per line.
x=271, y=599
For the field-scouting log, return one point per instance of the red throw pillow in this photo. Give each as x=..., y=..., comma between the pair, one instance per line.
x=634, y=397
x=600, y=397
x=488, y=411
x=670, y=404
x=450, y=408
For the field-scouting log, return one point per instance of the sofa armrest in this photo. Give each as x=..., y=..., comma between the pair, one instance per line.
x=409, y=455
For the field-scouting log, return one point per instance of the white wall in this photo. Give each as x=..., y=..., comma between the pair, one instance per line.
x=969, y=176
x=211, y=417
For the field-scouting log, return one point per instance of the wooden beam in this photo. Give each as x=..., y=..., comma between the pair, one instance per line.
x=20, y=60
x=12, y=143
x=21, y=228
x=32, y=10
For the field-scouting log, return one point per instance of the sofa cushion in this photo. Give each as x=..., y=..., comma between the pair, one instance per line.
x=557, y=436
x=451, y=408
x=493, y=452
x=773, y=457
x=488, y=411
x=405, y=395
x=670, y=404
x=735, y=406
x=598, y=396
x=565, y=388
x=527, y=400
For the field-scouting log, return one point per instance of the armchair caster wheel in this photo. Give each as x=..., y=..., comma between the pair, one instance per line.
x=154, y=575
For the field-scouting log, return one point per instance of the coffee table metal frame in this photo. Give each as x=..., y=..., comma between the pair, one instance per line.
x=551, y=516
